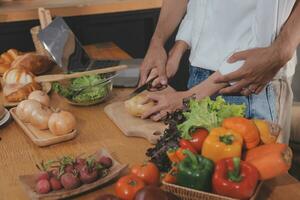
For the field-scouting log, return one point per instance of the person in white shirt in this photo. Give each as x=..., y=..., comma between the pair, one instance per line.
x=246, y=47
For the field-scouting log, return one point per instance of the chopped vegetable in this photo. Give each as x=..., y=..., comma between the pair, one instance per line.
x=195, y=172
x=235, y=178
x=222, y=143
x=246, y=128
x=271, y=160
x=208, y=114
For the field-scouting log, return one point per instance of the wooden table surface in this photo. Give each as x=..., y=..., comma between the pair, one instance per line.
x=18, y=154
x=27, y=9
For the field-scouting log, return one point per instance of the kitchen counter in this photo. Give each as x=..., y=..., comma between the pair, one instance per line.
x=12, y=11
x=18, y=154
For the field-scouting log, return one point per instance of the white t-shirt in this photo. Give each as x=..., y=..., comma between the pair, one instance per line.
x=215, y=29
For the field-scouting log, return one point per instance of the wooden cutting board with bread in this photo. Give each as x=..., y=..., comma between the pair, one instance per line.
x=127, y=119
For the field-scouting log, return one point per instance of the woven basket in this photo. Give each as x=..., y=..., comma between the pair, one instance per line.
x=37, y=44
x=191, y=194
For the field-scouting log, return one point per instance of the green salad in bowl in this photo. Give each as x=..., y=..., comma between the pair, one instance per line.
x=86, y=90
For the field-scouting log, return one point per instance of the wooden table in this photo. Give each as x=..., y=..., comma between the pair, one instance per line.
x=18, y=154
x=27, y=9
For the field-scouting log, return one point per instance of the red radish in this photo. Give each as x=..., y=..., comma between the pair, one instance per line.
x=70, y=181
x=54, y=172
x=43, y=176
x=80, y=163
x=88, y=175
x=43, y=186
x=55, y=183
x=105, y=162
x=69, y=168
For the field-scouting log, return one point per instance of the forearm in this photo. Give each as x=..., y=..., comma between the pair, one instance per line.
x=170, y=16
x=206, y=88
x=289, y=37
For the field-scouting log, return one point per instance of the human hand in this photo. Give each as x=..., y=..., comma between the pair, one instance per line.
x=172, y=65
x=259, y=68
x=167, y=101
x=155, y=59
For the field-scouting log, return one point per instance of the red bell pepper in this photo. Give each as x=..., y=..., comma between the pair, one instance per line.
x=235, y=178
x=185, y=144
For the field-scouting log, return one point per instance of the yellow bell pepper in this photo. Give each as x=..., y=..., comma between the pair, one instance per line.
x=222, y=143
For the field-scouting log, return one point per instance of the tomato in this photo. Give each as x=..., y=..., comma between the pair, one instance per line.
x=180, y=155
x=148, y=172
x=198, y=138
x=128, y=186
x=185, y=144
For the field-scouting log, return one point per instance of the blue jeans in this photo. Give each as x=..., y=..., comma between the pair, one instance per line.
x=261, y=106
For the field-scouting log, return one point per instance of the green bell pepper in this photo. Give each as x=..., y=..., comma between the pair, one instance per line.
x=195, y=171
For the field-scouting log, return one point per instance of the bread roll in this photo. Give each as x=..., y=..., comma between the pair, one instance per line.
x=136, y=107
x=33, y=62
x=16, y=93
x=7, y=58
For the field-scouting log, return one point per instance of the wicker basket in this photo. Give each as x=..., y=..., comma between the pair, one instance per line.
x=191, y=194
x=37, y=44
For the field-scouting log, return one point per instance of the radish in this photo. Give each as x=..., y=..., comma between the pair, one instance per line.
x=43, y=175
x=55, y=183
x=105, y=162
x=43, y=186
x=80, y=162
x=69, y=168
x=88, y=175
x=70, y=181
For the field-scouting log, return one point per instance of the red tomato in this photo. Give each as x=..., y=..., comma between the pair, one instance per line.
x=148, y=172
x=198, y=138
x=127, y=187
x=185, y=144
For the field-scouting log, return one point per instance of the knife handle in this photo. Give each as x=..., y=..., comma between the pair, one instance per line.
x=59, y=77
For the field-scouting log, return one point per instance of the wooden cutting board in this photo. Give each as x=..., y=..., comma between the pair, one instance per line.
x=133, y=126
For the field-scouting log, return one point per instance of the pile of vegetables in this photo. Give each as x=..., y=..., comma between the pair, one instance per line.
x=85, y=89
x=69, y=173
x=210, y=146
x=36, y=110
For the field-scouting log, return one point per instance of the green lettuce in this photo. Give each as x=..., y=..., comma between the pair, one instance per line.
x=208, y=114
x=83, y=90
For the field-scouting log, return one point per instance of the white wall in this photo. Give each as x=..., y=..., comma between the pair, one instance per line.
x=296, y=80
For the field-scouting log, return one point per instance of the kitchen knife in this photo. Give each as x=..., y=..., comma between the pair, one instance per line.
x=142, y=88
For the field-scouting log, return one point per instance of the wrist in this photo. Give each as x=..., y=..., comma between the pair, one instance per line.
x=157, y=40
x=283, y=49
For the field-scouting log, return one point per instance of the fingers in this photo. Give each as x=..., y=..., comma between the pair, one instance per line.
x=231, y=77
x=145, y=70
x=242, y=55
x=151, y=111
x=259, y=89
x=162, y=75
x=236, y=88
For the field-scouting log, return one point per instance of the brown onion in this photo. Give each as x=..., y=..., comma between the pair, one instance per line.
x=136, y=107
x=25, y=109
x=40, y=96
x=40, y=117
x=61, y=123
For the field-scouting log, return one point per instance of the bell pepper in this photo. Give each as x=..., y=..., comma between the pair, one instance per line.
x=195, y=172
x=222, y=143
x=171, y=153
x=235, y=178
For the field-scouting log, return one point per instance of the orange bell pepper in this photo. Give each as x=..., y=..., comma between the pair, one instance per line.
x=222, y=143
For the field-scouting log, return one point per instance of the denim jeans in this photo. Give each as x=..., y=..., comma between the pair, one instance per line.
x=260, y=106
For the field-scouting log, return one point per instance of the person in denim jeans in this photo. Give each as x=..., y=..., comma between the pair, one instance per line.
x=243, y=49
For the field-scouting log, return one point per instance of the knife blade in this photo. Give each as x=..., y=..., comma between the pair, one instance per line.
x=142, y=88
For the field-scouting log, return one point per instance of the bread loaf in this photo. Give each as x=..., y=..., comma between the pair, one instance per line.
x=7, y=58
x=33, y=62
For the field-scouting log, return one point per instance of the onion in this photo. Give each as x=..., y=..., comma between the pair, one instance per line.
x=135, y=107
x=61, y=123
x=25, y=109
x=40, y=117
x=40, y=96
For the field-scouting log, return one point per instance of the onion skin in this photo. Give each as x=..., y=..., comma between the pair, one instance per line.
x=25, y=109
x=40, y=96
x=135, y=107
x=40, y=117
x=61, y=123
